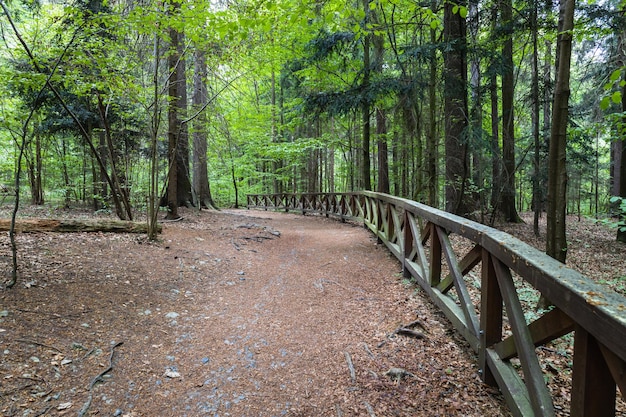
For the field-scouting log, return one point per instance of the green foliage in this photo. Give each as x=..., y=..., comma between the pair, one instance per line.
x=620, y=203
x=613, y=89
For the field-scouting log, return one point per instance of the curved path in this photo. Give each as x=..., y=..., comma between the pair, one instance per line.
x=238, y=313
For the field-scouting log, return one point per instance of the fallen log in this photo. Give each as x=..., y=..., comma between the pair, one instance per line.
x=73, y=225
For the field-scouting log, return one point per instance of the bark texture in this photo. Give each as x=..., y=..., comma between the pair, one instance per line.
x=456, y=110
x=556, y=245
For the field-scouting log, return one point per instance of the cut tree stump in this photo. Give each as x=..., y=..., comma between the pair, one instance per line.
x=63, y=226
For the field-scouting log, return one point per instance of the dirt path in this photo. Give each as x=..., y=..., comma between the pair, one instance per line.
x=235, y=313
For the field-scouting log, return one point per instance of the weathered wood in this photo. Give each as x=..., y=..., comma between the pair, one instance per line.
x=74, y=225
x=539, y=395
x=617, y=368
x=490, y=316
x=548, y=327
x=593, y=388
x=466, y=264
x=435, y=256
x=461, y=289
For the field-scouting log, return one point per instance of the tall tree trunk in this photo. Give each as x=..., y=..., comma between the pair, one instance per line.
x=183, y=181
x=366, y=104
x=173, y=120
x=556, y=245
x=431, y=137
x=476, y=115
x=536, y=107
x=201, y=184
x=508, y=126
x=383, y=160
x=621, y=233
x=381, y=118
x=119, y=193
x=66, y=176
x=496, y=162
x=35, y=170
x=455, y=102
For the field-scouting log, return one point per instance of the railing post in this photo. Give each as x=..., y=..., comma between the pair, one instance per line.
x=435, y=256
x=593, y=386
x=407, y=247
x=490, y=316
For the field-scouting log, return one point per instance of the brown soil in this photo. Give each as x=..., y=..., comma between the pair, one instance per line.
x=232, y=313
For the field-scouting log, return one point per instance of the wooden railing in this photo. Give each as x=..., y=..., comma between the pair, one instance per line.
x=496, y=326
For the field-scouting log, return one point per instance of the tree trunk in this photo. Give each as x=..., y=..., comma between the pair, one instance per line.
x=35, y=173
x=383, y=160
x=200, y=99
x=556, y=245
x=621, y=233
x=476, y=115
x=496, y=163
x=431, y=137
x=118, y=192
x=173, y=131
x=366, y=104
x=381, y=117
x=536, y=107
x=183, y=179
x=508, y=126
x=455, y=103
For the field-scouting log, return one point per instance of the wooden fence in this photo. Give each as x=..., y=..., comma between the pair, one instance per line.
x=496, y=327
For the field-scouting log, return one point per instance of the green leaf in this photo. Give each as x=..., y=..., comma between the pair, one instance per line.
x=455, y=9
x=615, y=199
x=616, y=75
x=372, y=5
x=434, y=24
x=463, y=12
x=616, y=97
x=605, y=103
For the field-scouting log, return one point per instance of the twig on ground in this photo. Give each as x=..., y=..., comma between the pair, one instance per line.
x=44, y=411
x=178, y=219
x=367, y=349
x=350, y=366
x=34, y=342
x=369, y=409
x=403, y=331
x=98, y=378
x=338, y=410
x=415, y=323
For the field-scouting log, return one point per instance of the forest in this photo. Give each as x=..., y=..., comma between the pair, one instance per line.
x=484, y=108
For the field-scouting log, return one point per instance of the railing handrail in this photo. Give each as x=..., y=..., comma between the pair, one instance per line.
x=591, y=307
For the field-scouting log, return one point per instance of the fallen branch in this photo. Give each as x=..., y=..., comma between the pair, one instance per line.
x=415, y=323
x=72, y=225
x=369, y=352
x=369, y=409
x=98, y=378
x=350, y=366
x=403, y=331
x=34, y=342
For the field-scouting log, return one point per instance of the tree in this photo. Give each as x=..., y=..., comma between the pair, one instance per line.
x=621, y=231
x=556, y=241
x=507, y=202
x=366, y=102
x=456, y=109
x=200, y=101
x=173, y=117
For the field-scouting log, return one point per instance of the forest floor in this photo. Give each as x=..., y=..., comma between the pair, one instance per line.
x=239, y=313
